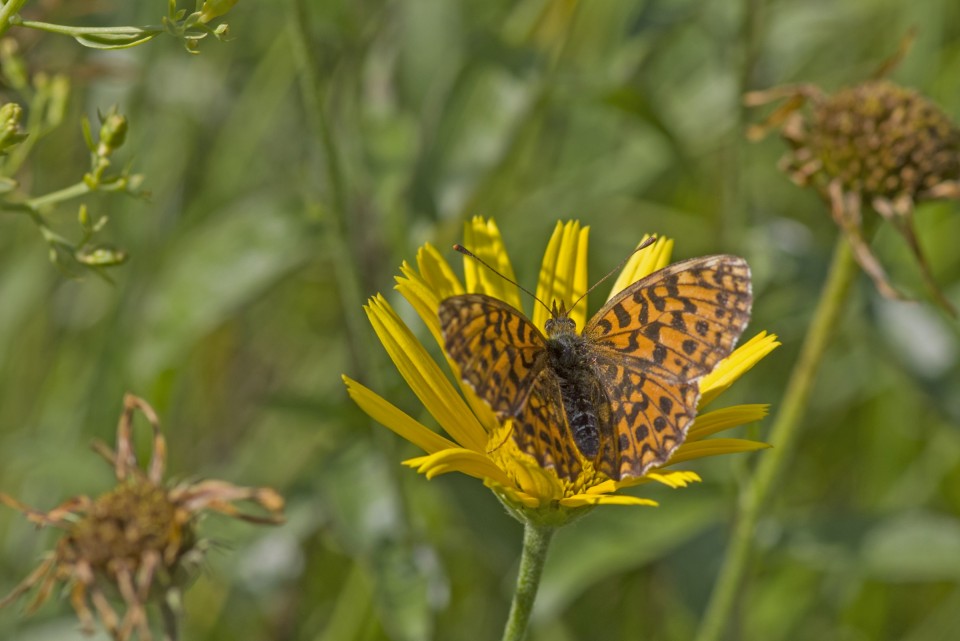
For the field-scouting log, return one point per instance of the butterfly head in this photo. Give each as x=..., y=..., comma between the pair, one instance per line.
x=559, y=321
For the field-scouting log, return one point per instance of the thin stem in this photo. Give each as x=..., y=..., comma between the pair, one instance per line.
x=33, y=206
x=337, y=213
x=536, y=541
x=171, y=622
x=783, y=434
x=73, y=191
x=731, y=219
x=8, y=11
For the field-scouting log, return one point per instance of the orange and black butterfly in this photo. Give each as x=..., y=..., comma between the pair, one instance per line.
x=624, y=391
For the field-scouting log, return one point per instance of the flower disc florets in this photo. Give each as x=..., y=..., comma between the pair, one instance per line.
x=134, y=540
x=878, y=139
x=876, y=144
x=123, y=525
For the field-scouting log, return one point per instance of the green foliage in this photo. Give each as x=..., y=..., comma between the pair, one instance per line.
x=293, y=167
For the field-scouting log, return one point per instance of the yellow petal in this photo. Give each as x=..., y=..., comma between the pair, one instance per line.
x=729, y=417
x=583, y=500
x=605, y=487
x=458, y=459
x=437, y=273
x=423, y=299
x=395, y=419
x=483, y=238
x=736, y=365
x=714, y=447
x=513, y=495
x=563, y=272
x=424, y=377
x=419, y=294
x=674, y=478
x=671, y=478
x=535, y=480
x=643, y=263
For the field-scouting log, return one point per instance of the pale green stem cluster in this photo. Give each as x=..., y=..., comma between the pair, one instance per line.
x=190, y=27
x=7, y=11
x=536, y=541
x=783, y=435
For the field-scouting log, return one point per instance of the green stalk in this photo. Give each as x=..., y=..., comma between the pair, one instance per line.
x=8, y=11
x=336, y=212
x=536, y=541
x=783, y=435
x=73, y=191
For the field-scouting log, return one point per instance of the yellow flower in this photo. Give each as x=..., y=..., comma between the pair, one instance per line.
x=479, y=445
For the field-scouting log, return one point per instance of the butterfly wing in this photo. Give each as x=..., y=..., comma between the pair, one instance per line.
x=540, y=427
x=499, y=352
x=654, y=341
x=501, y=355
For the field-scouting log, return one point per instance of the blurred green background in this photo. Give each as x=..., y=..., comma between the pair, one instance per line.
x=293, y=168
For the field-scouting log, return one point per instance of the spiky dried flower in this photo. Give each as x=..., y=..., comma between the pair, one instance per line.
x=876, y=143
x=138, y=540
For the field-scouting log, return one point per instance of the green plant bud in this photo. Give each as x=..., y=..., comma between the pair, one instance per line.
x=10, y=114
x=113, y=132
x=83, y=217
x=10, y=134
x=59, y=95
x=7, y=185
x=101, y=256
x=214, y=9
x=13, y=67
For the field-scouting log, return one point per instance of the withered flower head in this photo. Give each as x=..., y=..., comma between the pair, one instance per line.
x=876, y=143
x=138, y=540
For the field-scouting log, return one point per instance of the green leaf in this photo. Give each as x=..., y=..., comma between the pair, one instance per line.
x=368, y=517
x=114, y=40
x=917, y=546
x=209, y=273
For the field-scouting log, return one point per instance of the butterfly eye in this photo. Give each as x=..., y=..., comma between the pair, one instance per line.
x=560, y=325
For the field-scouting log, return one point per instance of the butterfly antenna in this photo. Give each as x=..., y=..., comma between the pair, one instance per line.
x=623, y=262
x=466, y=252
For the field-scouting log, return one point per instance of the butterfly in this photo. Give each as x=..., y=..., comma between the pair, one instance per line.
x=623, y=392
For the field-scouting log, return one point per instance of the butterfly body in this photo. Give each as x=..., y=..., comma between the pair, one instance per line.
x=622, y=393
x=585, y=406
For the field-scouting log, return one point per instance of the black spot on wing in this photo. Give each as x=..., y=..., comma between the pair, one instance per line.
x=623, y=318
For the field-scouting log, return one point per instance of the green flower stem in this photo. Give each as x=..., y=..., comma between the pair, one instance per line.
x=34, y=205
x=69, y=30
x=171, y=621
x=536, y=541
x=7, y=12
x=73, y=191
x=783, y=434
x=335, y=210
